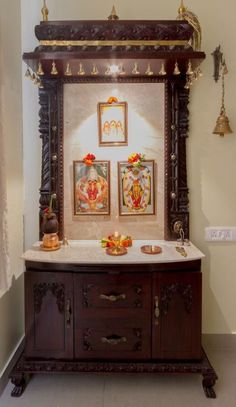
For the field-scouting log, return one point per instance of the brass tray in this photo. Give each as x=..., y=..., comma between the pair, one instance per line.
x=150, y=249
x=112, y=252
x=50, y=249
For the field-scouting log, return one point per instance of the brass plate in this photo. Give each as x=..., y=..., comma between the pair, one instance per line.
x=150, y=249
x=112, y=252
x=50, y=249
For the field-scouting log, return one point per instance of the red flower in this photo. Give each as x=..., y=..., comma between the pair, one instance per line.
x=136, y=159
x=89, y=158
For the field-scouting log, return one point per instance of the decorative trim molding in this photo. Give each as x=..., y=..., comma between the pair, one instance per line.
x=112, y=43
x=24, y=367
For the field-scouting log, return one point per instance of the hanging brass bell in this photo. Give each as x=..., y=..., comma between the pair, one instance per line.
x=222, y=124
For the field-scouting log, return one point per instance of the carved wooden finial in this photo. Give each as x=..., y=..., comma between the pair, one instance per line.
x=45, y=11
x=113, y=15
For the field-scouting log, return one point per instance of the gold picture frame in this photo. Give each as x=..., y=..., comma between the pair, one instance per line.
x=91, y=188
x=136, y=188
x=113, y=124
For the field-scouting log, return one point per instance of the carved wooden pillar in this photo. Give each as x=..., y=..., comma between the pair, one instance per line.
x=177, y=188
x=52, y=155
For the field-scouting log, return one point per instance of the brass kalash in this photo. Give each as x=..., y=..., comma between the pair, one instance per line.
x=222, y=124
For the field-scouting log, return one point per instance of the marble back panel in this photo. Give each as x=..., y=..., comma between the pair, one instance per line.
x=145, y=135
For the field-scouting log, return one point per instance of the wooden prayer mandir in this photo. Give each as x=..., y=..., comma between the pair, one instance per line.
x=86, y=311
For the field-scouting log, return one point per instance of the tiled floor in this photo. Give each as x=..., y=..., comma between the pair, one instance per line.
x=87, y=390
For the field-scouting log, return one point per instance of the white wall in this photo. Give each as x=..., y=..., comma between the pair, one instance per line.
x=211, y=159
x=30, y=16
x=11, y=304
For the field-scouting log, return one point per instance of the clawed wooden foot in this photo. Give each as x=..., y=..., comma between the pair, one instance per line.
x=207, y=384
x=20, y=383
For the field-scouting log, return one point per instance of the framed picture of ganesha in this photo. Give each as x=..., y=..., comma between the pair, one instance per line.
x=91, y=188
x=136, y=188
x=112, y=123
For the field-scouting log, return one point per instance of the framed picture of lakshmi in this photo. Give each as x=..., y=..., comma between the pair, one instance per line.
x=136, y=188
x=112, y=123
x=91, y=188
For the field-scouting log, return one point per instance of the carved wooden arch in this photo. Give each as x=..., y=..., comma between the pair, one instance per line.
x=176, y=132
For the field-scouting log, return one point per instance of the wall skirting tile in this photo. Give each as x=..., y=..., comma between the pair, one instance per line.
x=4, y=373
x=219, y=341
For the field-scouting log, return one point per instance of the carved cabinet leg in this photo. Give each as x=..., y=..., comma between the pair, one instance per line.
x=207, y=383
x=18, y=379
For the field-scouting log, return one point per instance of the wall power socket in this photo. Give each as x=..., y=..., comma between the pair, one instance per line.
x=220, y=234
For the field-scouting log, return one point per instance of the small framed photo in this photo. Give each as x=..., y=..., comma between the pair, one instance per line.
x=136, y=188
x=91, y=188
x=112, y=124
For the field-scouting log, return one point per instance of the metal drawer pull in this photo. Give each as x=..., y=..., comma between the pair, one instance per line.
x=113, y=340
x=68, y=311
x=157, y=310
x=113, y=297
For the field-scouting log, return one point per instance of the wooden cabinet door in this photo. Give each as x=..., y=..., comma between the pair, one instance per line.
x=176, y=315
x=48, y=315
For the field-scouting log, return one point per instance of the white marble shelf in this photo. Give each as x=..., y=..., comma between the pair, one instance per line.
x=91, y=252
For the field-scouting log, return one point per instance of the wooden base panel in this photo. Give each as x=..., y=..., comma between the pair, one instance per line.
x=26, y=367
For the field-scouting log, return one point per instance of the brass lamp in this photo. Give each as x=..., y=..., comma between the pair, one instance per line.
x=222, y=124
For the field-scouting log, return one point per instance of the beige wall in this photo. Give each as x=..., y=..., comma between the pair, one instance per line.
x=11, y=304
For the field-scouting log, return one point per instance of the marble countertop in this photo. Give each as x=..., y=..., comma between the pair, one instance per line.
x=91, y=252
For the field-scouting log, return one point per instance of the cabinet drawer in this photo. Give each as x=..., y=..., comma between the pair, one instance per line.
x=113, y=339
x=114, y=292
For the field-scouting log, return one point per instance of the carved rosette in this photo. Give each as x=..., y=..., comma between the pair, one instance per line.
x=41, y=289
x=168, y=292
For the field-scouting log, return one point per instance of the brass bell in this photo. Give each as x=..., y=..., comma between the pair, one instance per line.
x=222, y=124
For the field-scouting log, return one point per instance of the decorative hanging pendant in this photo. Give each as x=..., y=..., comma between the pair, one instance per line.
x=54, y=70
x=68, y=70
x=40, y=71
x=176, y=70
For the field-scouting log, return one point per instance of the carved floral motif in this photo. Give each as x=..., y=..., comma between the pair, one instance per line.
x=41, y=289
x=168, y=292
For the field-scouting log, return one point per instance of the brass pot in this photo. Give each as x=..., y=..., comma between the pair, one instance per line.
x=50, y=240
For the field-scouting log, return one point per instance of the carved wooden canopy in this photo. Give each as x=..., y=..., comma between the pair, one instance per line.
x=161, y=42
x=146, y=51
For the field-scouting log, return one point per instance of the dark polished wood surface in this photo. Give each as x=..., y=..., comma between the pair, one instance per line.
x=109, y=318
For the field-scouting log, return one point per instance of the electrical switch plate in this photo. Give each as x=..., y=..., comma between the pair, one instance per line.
x=220, y=234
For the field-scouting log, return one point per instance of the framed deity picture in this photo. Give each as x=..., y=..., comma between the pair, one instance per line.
x=112, y=123
x=91, y=188
x=136, y=188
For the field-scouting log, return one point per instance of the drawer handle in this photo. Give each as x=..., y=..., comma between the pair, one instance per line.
x=68, y=311
x=157, y=310
x=113, y=297
x=113, y=340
